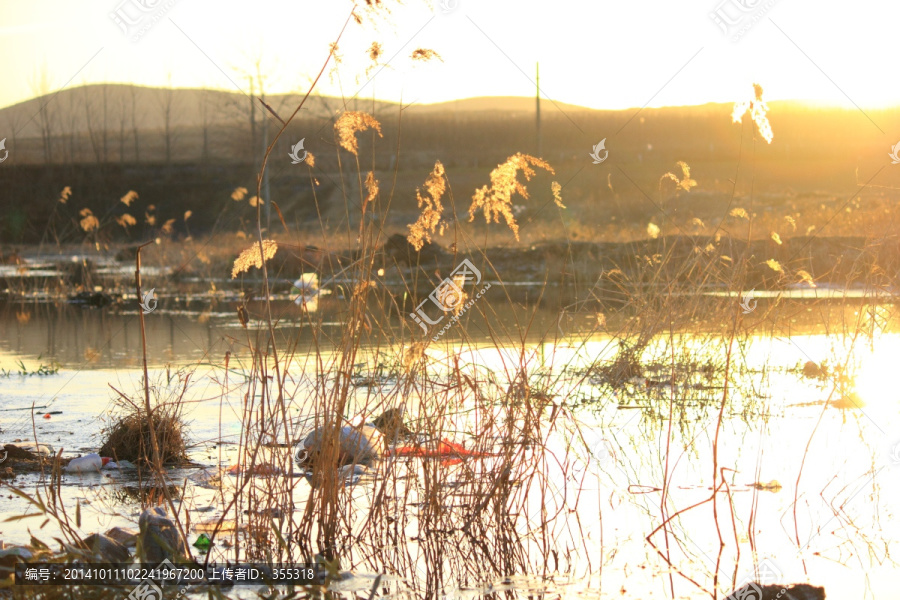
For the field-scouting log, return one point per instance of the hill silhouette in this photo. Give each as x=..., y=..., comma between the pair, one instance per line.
x=188, y=149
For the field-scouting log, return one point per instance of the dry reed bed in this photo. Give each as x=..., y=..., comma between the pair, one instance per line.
x=437, y=526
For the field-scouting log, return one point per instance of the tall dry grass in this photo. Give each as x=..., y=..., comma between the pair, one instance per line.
x=506, y=505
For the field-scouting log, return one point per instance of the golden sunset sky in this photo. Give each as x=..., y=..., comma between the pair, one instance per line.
x=594, y=53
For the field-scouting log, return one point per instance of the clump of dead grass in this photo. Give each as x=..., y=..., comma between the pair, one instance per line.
x=127, y=435
x=128, y=438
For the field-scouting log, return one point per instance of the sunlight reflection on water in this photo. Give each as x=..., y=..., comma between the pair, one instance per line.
x=836, y=469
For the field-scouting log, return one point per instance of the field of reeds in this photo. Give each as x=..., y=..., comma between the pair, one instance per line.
x=591, y=407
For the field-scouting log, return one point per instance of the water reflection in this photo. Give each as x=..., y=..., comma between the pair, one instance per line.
x=204, y=327
x=628, y=454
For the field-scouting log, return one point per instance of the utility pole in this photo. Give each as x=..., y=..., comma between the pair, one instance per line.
x=266, y=192
x=537, y=100
x=267, y=196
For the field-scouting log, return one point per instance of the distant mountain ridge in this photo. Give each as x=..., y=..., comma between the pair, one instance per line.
x=116, y=107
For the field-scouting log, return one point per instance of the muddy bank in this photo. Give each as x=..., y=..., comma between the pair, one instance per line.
x=682, y=263
x=687, y=260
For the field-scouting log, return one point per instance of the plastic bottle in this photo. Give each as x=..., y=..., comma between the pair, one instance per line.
x=89, y=463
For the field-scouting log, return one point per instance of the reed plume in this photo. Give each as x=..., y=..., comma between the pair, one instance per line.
x=758, y=110
x=128, y=198
x=251, y=257
x=349, y=124
x=89, y=222
x=556, y=190
x=685, y=182
x=126, y=221
x=495, y=200
x=431, y=208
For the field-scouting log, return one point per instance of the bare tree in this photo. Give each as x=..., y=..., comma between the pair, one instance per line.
x=104, y=132
x=167, y=100
x=247, y=106
x=40, y=87
x=236, y=109
x=252, y=113
x=66, y=120
x=71, y=134
x=204, y=99
x=87, y=96
x=13, y=119
x=134, y=127
x=123, y=120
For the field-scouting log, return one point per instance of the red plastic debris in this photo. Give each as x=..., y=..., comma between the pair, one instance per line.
x=47, y=416
x=262, y=469
x=444, y=449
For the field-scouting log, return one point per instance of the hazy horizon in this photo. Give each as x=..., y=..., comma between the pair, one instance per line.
x=798, y=102
x=591, y=55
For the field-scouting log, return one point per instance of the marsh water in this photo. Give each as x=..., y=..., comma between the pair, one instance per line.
x=812, y=463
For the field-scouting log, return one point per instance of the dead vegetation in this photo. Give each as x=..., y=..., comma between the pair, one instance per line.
x=128, y=438
x=483, y=485
x=127, y=434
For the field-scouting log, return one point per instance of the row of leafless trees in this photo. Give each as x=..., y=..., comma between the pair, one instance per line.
x=108, y=123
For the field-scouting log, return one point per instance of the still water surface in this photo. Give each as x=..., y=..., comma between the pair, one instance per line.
x=815, y=461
